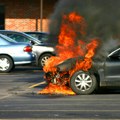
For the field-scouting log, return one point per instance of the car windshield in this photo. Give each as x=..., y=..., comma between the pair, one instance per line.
x=44, y=38
x=7, y=38
x=114, y=51
x=32, y=38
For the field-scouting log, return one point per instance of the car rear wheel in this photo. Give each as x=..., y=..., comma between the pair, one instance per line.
x=6, y=63
x=43, y=59
x=83, y=83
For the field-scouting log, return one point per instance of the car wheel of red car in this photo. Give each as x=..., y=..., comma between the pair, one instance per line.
x=6, y=63
x=83, y=83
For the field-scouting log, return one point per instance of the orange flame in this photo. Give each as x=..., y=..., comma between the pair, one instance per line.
x=57, y=89
x=87, y=62
x=70, y=47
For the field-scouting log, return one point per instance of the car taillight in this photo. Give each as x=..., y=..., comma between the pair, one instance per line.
x=28, y=49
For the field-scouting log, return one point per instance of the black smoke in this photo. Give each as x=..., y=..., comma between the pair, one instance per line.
x=102, y=18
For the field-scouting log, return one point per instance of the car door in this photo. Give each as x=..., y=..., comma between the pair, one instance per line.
x=112, y=68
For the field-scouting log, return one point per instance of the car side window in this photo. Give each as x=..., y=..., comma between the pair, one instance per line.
x=116, y=55
x=18, y=38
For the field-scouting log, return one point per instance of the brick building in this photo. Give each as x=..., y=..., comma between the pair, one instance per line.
x=25, y=15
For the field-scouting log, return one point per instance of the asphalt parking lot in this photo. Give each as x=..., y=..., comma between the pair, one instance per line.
x=19, y=100
x=22, y=79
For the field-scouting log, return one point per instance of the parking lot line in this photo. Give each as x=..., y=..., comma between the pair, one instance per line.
x=6, y=96
x=37, y=84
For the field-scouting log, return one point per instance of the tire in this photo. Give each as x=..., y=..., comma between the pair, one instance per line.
x=42, y=59
x=83, y=83
x=6, y=64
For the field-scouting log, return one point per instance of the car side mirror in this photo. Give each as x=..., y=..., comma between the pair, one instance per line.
x=32, y=42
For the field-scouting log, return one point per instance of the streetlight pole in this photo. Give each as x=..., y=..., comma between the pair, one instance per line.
x=41, y=15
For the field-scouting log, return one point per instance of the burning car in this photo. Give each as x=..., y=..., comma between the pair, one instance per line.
x=101, y=74
x=81, y=82
x=75, y=67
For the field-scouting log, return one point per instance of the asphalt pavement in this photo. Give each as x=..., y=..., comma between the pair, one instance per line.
x=19, y=100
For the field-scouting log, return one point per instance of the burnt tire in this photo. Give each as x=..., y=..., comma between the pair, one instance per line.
x=83, y=83
x=43, y=58
x=6, y=64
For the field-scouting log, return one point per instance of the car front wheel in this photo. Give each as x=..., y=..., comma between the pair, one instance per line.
x=83, y=83
x=6, y=63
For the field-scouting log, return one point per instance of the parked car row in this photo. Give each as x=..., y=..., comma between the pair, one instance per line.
x=41, y=48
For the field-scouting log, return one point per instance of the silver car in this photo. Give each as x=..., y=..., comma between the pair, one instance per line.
x=13, y=53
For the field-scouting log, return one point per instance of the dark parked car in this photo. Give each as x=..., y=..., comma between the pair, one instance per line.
x=13, y=53
x=42, y=36
x=43, y=51
x=102, y=74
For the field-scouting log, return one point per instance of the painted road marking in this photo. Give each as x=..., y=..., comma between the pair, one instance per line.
x=6, y=96
x=37, y=84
